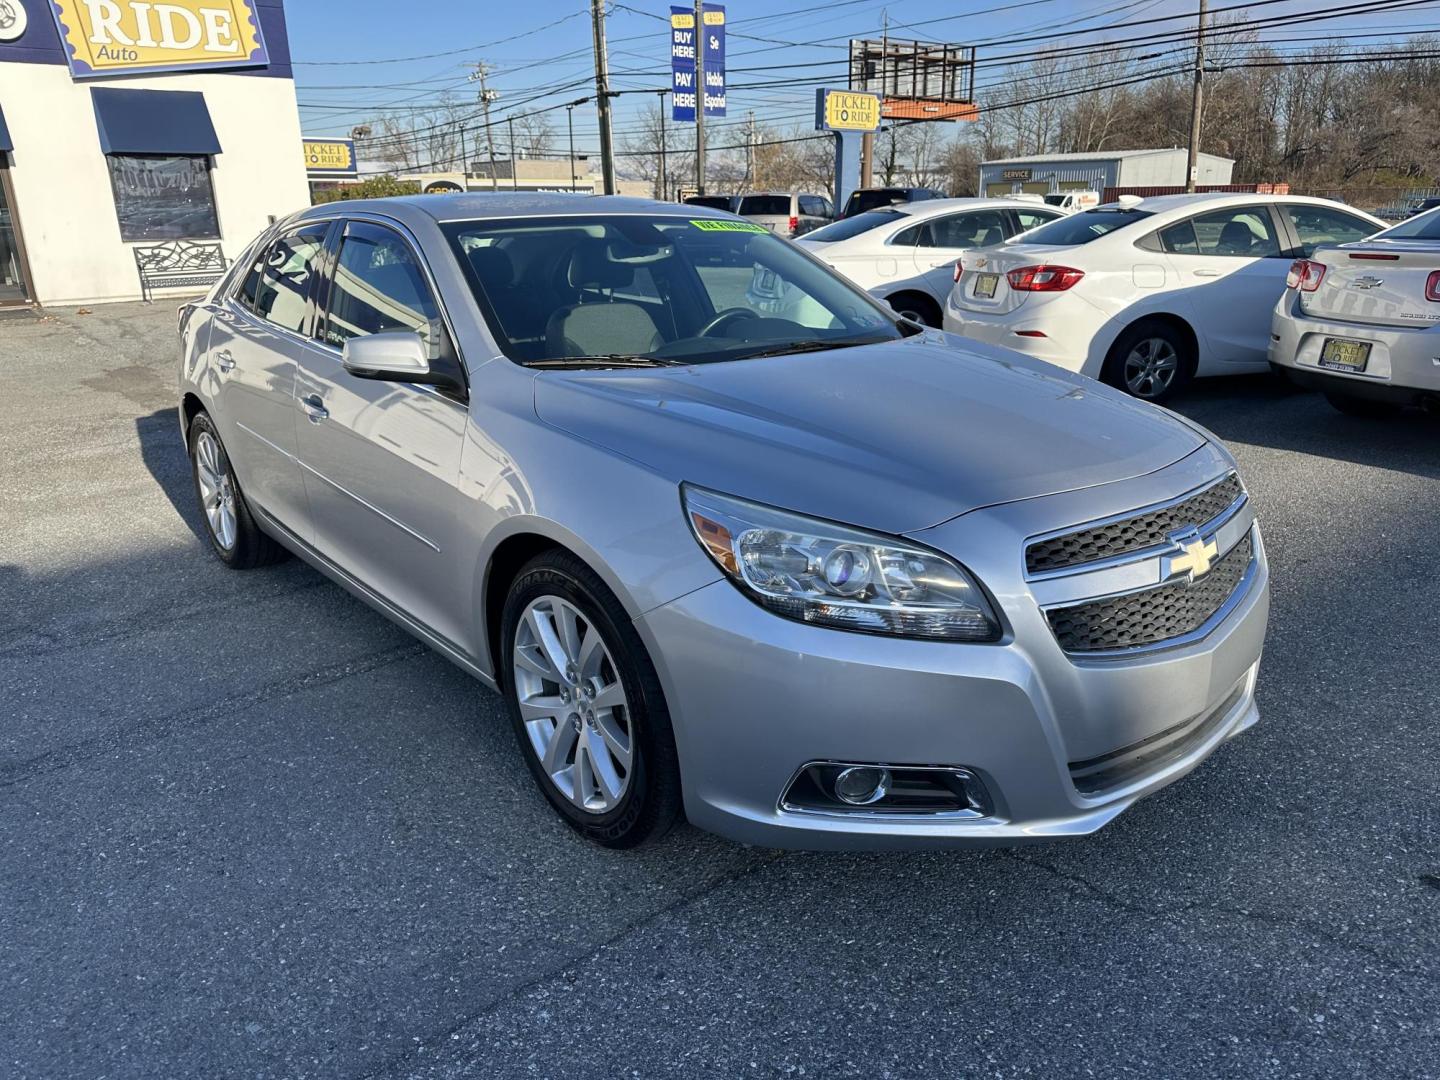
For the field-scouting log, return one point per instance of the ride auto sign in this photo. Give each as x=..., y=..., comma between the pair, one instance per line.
x=107, y=37
x=683, y=40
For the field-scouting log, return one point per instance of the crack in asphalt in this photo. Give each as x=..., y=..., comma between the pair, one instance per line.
x=159, y=727
x=1119, y=903
x=395, y=1066
x=50, y=641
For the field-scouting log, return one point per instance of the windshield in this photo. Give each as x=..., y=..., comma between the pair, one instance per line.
x=845, y=228
x=765, y=205
x=1083, y=227
x=613, y=290
x=1424, y=226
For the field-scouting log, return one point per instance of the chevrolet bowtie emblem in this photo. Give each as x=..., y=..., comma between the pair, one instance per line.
x=1193, y=557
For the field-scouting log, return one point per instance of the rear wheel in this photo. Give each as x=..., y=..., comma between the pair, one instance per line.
x=917, y=307
x=1367, y=408
x=234, y=536
x=1152, y=360
x=586, y=704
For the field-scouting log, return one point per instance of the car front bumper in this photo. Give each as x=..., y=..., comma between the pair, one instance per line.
x=755, y=697
x=1404, y=361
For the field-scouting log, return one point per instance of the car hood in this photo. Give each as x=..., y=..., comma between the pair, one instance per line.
x=898, y=436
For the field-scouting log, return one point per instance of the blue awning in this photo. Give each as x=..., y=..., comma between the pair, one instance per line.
x=5, y=143
x=153, y=121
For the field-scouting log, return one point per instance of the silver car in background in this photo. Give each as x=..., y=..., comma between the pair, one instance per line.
x=818, y=579
x=1361, y=321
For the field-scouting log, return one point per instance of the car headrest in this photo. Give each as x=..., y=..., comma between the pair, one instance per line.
x=1235, y=237
x=492, y=266
x=591, y=267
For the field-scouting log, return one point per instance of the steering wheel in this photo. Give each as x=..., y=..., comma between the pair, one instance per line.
x=725, y=318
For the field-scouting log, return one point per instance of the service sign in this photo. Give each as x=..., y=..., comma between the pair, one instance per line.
x=330, y=158
x=684, y=39
x=109, y=37
x=846, y=110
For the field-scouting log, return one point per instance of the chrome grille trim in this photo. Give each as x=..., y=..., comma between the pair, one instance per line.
x=1247, y=547
x=1045, y=555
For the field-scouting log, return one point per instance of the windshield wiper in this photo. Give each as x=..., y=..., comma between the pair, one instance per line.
x=606, y=360
x=802, y=347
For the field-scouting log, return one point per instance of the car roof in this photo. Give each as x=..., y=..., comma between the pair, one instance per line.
x=928, y=207
x=1159, y=204
x=414, y=209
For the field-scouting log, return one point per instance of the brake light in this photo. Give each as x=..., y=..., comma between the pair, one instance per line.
x=794, y=224
x=1043, y=278
x=959, y=268
x=1374, y=256
x=1305, y=274
x=1432, y=286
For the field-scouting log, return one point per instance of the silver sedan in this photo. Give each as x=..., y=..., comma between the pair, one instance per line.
x=733, y=541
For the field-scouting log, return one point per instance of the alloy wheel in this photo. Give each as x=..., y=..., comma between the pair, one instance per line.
x=217, y=489
x=572, y=704
x=1150, y=367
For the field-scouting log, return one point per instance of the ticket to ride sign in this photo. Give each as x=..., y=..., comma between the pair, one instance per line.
x=105, y=37
x=330, y=157
x=846, y=110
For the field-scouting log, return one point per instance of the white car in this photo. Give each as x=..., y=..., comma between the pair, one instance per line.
x=1361, y=321
x=906, y=254
x=1148, y=293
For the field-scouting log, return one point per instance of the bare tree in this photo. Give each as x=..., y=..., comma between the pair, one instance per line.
x=534, y=135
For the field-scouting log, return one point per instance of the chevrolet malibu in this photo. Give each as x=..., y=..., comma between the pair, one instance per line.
x=822, y=580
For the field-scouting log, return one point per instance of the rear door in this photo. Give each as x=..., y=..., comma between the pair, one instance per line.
x=1231, y=270
x=943, y=239
x=258, y=334
x=381, y=459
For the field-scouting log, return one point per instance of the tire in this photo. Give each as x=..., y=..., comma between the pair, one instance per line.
x=1366, y=408
x=599, y=704
x=1151, y=360
x=228, y=524
x=917, y=307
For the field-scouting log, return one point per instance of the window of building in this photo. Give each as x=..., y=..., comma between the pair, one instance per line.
x=165, y=197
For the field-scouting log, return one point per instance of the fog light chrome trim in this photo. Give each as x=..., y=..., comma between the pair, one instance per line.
x=976, y=797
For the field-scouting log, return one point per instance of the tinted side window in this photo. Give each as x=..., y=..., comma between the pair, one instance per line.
x=977, y=229
x=283, y=277
x=1316, y=225
x=908, y=237
x=379, y=285
x=1243, y=231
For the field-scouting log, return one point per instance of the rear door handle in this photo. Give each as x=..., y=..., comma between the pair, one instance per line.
x=1207, y=273
x=224, y=361
x=315, y=408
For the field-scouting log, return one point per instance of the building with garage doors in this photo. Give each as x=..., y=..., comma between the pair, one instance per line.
x=141, y=144
x=1044, y=174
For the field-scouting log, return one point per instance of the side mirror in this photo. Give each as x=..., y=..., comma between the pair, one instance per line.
x=395, y=355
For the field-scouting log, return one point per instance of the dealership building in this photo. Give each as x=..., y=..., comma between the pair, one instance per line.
x=1045, y=174
x=141, y=143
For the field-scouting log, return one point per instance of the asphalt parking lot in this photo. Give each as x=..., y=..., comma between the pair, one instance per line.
x=249, y=828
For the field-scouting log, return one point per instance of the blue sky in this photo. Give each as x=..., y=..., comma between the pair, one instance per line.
x=540, y=50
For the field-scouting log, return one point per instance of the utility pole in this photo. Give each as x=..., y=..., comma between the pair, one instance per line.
x=486, y=97
x=1197, y=103
x=750, y=178
x=602, y=96
x=464, y=161
x=514, y=168
x=699, y=97
x=664, y=146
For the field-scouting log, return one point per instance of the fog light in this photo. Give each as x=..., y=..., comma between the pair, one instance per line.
x=862, y=786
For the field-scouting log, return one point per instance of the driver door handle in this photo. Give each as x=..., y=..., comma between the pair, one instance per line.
x=315, y=408
x=224, y=361
x=1207, y=273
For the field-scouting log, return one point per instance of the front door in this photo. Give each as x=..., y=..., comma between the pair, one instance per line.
x=381, y=459
x=14, y=273
x=1232, y=273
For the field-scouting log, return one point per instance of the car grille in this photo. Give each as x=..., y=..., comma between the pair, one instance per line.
x=1154, y=615
x=1131, y=534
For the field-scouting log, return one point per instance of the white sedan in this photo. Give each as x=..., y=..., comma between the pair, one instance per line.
x=1146, y=294
x=906, y=254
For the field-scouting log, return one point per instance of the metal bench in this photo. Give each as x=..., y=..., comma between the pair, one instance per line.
x=178, y=263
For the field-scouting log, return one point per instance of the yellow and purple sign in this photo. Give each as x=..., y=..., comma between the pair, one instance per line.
x=330, y=157
x=113, y=37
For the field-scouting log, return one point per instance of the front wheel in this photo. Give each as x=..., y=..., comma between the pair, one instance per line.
x=586, y=705
x=1152, y=361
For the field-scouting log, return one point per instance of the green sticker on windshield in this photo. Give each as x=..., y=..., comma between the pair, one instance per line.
x=721, y=225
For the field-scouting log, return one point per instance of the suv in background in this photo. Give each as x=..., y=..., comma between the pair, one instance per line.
x=713, y=202
x=788, y=213
x=863, y=199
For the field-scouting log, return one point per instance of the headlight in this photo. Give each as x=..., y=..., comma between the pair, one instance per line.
x=818, y=572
